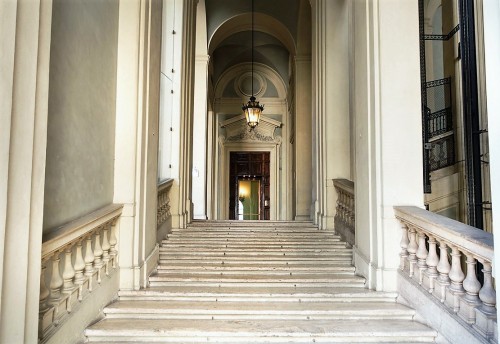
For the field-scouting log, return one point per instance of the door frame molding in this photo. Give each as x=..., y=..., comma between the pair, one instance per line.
x=223, y=179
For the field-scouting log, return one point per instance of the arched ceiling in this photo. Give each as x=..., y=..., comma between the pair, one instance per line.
x=276, y=29
x=218, y=11
x=237, y=49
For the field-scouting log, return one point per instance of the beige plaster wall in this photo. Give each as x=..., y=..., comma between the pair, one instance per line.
x=81, y=122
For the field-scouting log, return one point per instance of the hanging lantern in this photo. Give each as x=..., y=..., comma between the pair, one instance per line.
x=252, y=109
x=252, y=112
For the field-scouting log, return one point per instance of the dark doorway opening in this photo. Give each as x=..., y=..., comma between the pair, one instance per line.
x=249, y=186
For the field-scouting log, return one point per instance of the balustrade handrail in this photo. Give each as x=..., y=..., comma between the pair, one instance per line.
x=344, y=220
x=165, y=184
x=345, y=185
x=442, y=255
x=466, y=238
x=70, y=232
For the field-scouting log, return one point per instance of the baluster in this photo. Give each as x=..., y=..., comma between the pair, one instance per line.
x=432, y=262
x=68, y=272
x=404, y=245
x=44, y=291
x=167, y=204
x=79, y=266
x=159, y=212
x=350, y=206
x=89, y=260
x=471, y=286
x=98, y=252
x=456, y=276
x=412, y=250
x=343, y=206
x=162, y=209
x=443, y=269
x=487, y=294
x=339, y=206
x=113, y=252
x=56, y=282
x=105, y=247
x=422, y=256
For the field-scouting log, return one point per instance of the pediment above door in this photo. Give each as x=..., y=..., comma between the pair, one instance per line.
x=237, y=130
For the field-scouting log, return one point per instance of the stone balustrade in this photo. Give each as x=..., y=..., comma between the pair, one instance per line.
x=163, y=204
x=76, y=258
x=442, y=256
x=344, y=216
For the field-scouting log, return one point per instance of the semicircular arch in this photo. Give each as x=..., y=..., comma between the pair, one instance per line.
x=243, y=22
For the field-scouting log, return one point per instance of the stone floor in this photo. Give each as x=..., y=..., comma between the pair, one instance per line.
x=257, y=282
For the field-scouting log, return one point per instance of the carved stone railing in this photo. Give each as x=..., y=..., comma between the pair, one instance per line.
x=163, y=204
x=344, y=215
x=440, y=272
x=76, y=258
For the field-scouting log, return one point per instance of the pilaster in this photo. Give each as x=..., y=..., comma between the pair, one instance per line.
x=388, y=144
x=491, y=18
x=24, y=84
x=200, y=128
x=302, y=141
x=136, y=142
x=331, y=124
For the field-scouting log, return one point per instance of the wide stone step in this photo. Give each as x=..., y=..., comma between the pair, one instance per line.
x=256, y=250
x=207, y=267
x=165, y=271
x=250, y=223
x=257, y=254
x=262, y=260
x=254, y=231
x=254, y=235
x=260, y=280
x=255, y=310
x=271, y=294
x=239, y=244
x=263, y=331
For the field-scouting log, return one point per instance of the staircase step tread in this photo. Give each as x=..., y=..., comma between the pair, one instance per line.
x=278, y=308
x=239, y=244
x=255, y=254
x=319, y=274
x=325, y=277
x=309, y=268
x=263, y=292
x=257, y=282
x=262, y=260
x=259, y=328
x=250, y=223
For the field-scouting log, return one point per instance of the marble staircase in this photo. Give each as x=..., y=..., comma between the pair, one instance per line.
x=257, y=282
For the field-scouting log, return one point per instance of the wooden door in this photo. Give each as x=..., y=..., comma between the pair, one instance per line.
x=251, y=166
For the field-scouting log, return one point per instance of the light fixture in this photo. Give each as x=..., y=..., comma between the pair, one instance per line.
x=252, y=109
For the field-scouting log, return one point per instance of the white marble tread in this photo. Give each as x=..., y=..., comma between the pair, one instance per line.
x=256, y=282
x=271, y=330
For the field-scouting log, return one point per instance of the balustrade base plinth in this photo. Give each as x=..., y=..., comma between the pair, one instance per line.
x=435, y=313
x=486, y=324
x=452, y=299
x=467, y=309
x=440, y=289
x=429, y=281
